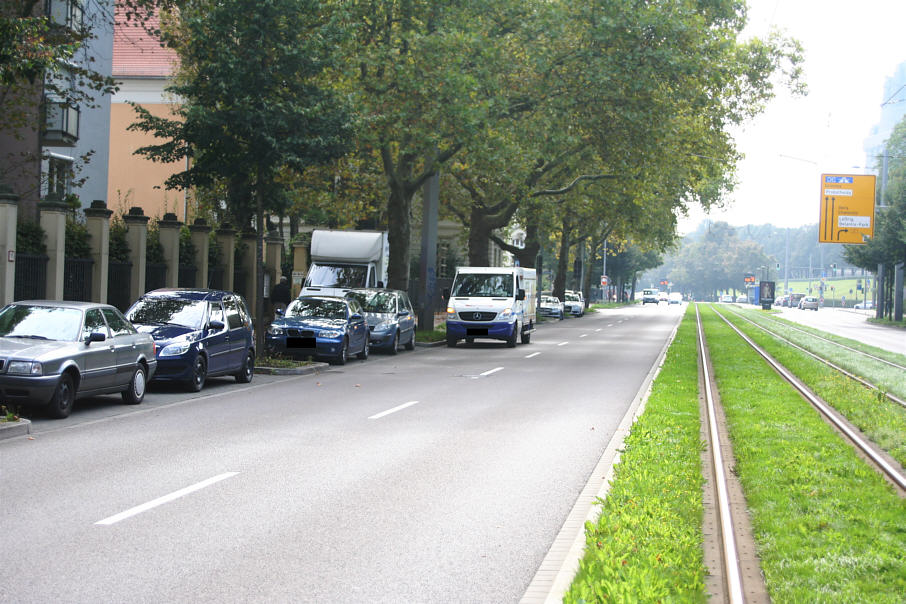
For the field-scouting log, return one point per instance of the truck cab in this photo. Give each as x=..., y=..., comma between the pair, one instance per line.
x=346, y=260
x=492, y=302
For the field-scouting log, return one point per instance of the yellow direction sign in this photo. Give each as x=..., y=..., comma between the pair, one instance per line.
x=847, y=208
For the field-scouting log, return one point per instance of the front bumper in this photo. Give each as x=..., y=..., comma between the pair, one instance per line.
x=26, y=389
x=323, y=347
x=497, y=330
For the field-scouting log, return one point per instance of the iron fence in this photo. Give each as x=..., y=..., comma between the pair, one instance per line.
x=31, y=277
x=186, y=276
x=215, y=277
x=119, y=278
x=77, y=279
x=155, y=275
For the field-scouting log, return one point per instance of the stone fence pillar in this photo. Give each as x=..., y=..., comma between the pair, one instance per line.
x=226, y=238
x=137, y=238
x=53, y=221
x=250, y=264
x=97, y=220
x=9, y=214
x=201, y=241
x=300, y=266
x=169, y=239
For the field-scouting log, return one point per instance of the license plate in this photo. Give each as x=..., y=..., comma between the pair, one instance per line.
x=476, y=331
x=300, y=342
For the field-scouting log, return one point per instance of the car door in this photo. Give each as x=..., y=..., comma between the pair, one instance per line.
x=240, y=330
x=125, y=340
x=99, y=357
x=407, y=321
x=356, y=325
x=217, y=341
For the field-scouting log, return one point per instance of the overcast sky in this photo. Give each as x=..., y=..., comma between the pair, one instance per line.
x=851, y=48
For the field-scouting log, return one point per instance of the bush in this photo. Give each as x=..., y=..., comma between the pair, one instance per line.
x=77, y=239
x=119, y=246
x=30, y=238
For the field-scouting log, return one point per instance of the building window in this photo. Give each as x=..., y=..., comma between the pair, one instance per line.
x=65, y=13
x=58, y=170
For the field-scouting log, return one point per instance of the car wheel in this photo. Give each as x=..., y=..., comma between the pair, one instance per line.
x=363, y=356
x=525, y=338
x=451, y=342
x=63, y=397
x=135, y=393
x=511, y=341
x=395, y=344
x=410, y=345
x=344, y=353
x=248, y=368
x=199, y=374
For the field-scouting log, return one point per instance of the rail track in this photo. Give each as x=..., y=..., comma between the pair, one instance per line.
x=873, y=455
x=891, y=397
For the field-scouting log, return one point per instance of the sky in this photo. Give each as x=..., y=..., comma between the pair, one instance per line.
x=850, y=48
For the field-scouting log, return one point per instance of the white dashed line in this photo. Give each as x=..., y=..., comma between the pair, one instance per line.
x=490, y=371
x=563, y=343
x=394, y=410
x=534, y=354
x=610, y=325
x=165, y=499
x=598, y=329
x=583, y=335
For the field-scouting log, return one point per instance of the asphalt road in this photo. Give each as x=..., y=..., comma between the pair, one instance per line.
x=439, y=475
x=850, y=323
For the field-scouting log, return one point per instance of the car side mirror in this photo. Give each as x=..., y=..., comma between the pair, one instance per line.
x=356, y=317
x=403, y=313
x=215, y=325
x=520, y=294
x=95, y=336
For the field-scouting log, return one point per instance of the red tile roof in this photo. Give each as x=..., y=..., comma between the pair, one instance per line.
x=136, y=53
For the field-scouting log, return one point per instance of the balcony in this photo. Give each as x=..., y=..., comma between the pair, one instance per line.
x=64, y=13
x=61, y=124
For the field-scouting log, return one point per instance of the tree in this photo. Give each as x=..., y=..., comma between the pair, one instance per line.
x=253, y=102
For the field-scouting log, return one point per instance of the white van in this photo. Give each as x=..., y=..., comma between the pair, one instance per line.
x=491, y=302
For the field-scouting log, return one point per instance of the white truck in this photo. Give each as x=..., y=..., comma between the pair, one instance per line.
x=491, y=302
x=344, y=260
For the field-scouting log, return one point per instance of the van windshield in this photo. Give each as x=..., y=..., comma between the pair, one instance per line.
x=483, y=285
x=337, y=275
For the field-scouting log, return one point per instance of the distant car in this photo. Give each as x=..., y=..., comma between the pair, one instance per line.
x=726, y=298
x=551, y=306
x=675, y=298
x=662, y=297
x=794, y=299
x=649, y=296
x=808, y=303
x=573, y=304
x=321, y=326
x=741, y=299
x=866, y=305
x=200, y=333
x=390, y=317
x=52, y=353
x=782, y=301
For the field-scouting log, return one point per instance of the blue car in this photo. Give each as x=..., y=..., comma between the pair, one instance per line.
x=320, y=326
x=391, y=319
x=199, y=333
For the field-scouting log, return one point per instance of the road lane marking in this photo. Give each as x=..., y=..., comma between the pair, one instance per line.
x=534, y=354
x=563, y=343
x=610, y=325
x=490, y=371
x=394, y=410
x=165, y=499
x=599, y=329
x=583, y=335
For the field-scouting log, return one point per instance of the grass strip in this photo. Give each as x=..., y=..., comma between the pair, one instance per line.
x=882, y=421
x=828, y=528
x=647, y=543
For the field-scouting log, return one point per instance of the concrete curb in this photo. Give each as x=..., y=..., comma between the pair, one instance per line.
x=431, y=344
x=13, y=429
x=306, y=370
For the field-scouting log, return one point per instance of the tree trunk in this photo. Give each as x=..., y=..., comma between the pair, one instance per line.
x=480, y=230
x=563, y=261
x=399, y=208
x=259, y=271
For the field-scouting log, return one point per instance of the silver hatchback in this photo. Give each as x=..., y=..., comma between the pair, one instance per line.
x=809, y=303
x=53, y=352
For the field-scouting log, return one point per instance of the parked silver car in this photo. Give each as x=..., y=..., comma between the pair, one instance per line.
x=390, y=316
x=53, y=352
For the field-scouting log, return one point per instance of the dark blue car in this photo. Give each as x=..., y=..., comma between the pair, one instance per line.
x=199, y=333
x=320, y=326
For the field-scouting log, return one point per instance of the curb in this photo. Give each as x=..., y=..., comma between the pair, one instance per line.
x=306, y=370
x=431, y=344
x=13, y=429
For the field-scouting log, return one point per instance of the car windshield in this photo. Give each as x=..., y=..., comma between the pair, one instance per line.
x=336, y=275
x=165, y=310
x=40, y=322
x=483, y=285
x=314, y=308
x=382, y=302
x=572, y=297
x=549, y=300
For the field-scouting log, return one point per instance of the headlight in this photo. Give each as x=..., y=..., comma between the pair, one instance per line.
x=25, y=368
x=331, y=333
x=175, y=349
x=506, y=313
x=385, y=326
x=274, y=330
x=451, y=310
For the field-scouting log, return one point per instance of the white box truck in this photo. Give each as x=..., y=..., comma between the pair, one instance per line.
x=491, y=302
x=344, y=260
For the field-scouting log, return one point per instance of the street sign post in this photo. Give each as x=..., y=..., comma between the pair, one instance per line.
x=847, y=208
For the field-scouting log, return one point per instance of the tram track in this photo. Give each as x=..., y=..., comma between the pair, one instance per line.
x=891, y=397
x=868, y=450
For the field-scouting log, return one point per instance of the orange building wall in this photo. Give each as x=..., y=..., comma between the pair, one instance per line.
x=133, y=178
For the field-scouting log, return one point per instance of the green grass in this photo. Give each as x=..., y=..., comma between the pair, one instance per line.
x=882, y=421
x=827, y=527
x=438, y=334
x=647, y=542
x=280, y=361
